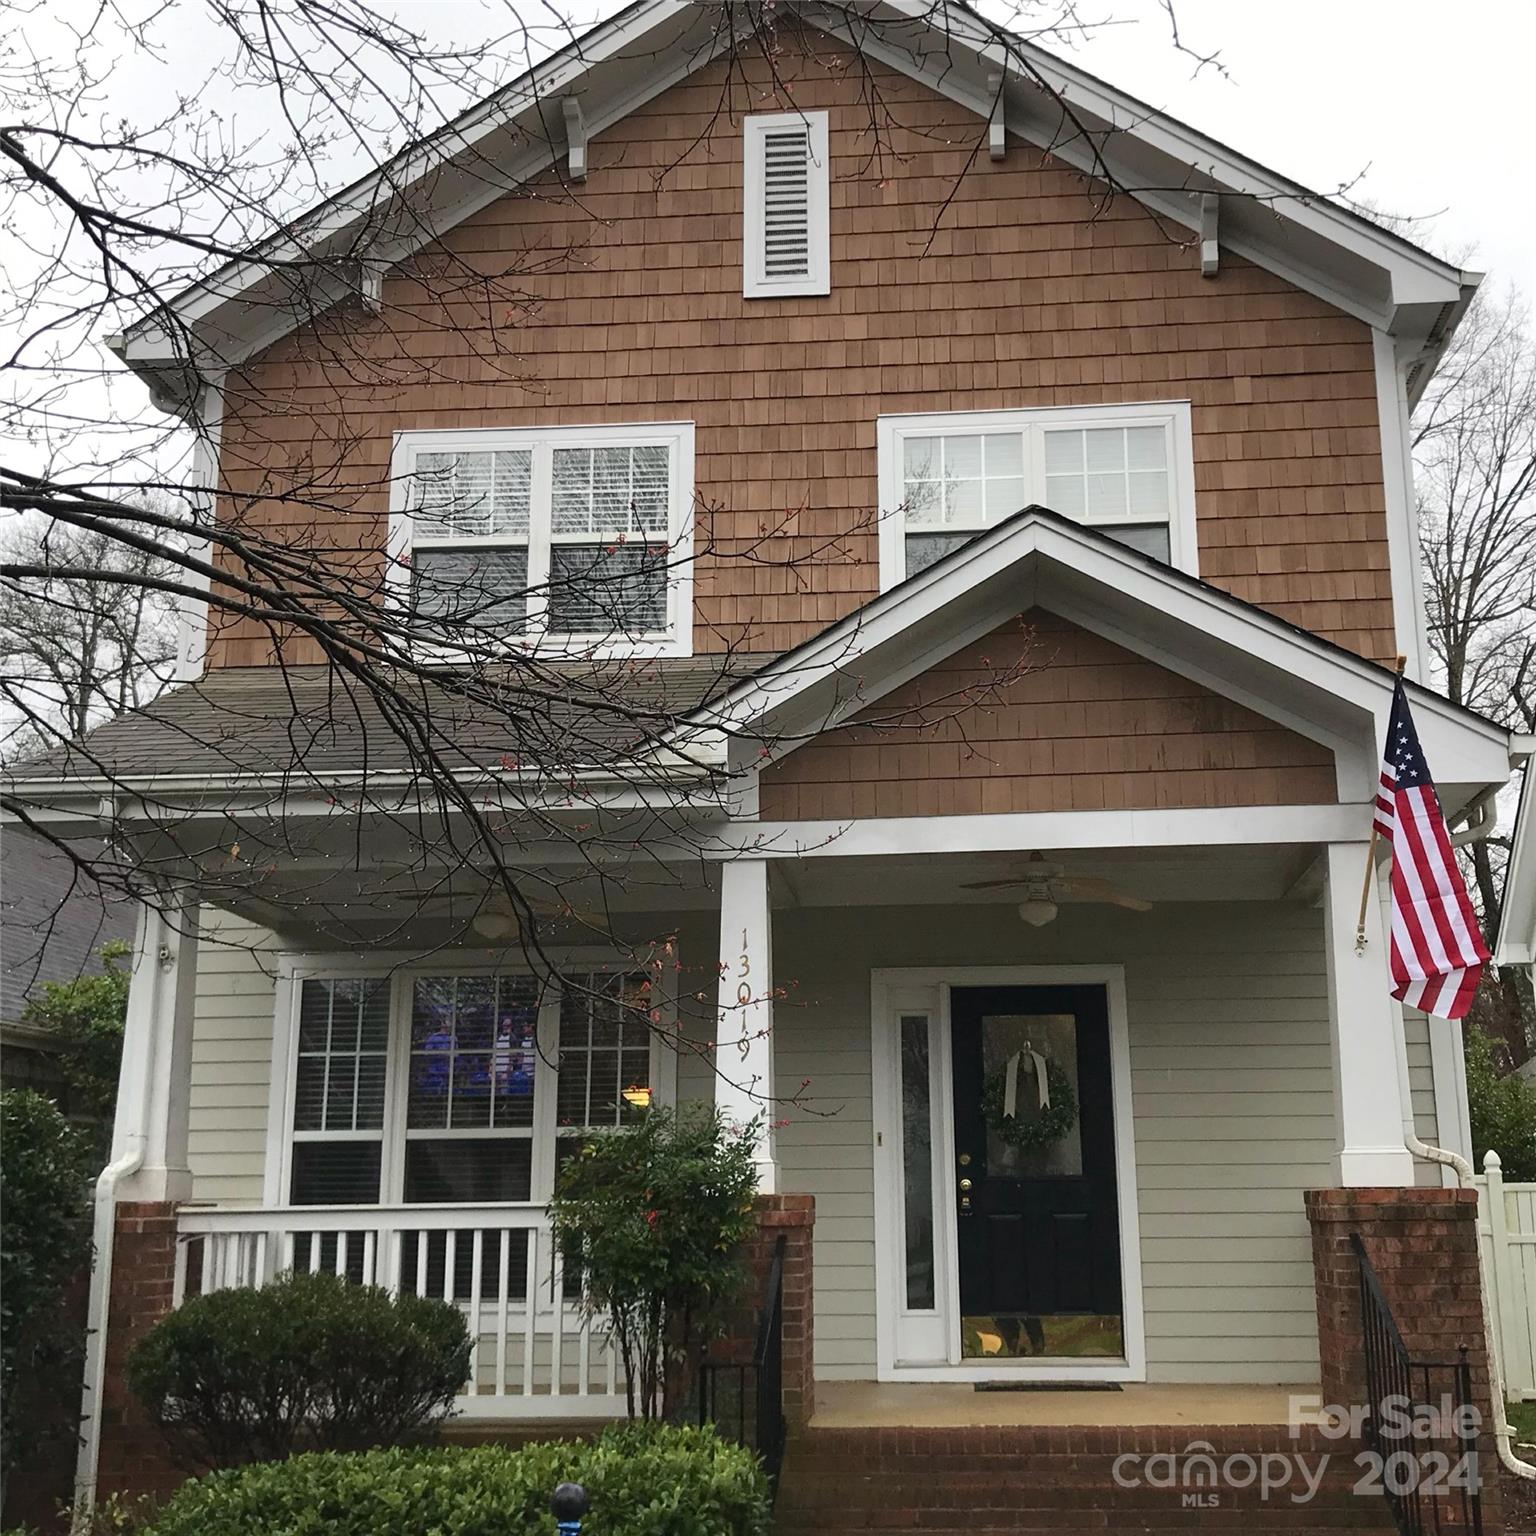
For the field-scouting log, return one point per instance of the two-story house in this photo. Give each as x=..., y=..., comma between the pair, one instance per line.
x=1030, y=475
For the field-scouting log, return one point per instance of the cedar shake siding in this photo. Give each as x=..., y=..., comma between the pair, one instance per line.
x=1031, y=291
x=1088, y=727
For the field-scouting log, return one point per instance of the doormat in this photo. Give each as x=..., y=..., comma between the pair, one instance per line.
x=1048, y=1386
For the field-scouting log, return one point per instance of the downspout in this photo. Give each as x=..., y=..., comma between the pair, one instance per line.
x=1485, y=809
x=132, y=1133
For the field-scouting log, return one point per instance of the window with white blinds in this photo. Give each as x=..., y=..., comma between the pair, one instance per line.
x=448, y=1085
x=785, y=229
x=338, y=1091
x=575, y=539
x=1127, y=470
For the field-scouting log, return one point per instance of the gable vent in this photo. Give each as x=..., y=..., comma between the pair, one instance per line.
x=786, y=196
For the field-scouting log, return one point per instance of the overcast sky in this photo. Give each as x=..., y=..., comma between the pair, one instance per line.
x=1434, y=101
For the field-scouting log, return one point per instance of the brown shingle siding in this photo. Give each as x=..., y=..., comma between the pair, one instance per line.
x=1088, y=726
x=1031, y=292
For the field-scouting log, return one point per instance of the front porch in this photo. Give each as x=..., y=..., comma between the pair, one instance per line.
x=1231, y=1090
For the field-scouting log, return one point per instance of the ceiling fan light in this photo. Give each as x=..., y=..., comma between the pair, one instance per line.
x=1037, y=912
x=494, y=925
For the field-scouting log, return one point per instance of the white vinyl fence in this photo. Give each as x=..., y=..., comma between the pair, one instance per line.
x=1507, y=1223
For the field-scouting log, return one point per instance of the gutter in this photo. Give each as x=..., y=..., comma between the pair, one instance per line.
x=132, y=1130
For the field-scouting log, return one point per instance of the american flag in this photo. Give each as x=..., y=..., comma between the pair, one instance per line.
x=1437, y=947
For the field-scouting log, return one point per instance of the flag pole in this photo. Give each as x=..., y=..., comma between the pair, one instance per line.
x=1370, y=857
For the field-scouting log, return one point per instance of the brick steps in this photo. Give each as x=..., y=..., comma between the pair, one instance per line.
x=1020, y=1480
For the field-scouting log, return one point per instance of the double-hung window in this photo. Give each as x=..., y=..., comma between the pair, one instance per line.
x=1127, y=470
x=571, y=540
x=457, y=1084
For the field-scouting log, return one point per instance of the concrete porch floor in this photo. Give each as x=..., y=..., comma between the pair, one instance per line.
x=888, y=1404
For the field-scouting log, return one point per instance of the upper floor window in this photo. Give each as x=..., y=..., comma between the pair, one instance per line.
x=577, y=539
x=1127, y=470
x=785, y=226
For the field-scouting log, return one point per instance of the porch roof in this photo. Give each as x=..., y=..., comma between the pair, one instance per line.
x=314, y=725
x=1037, y=558
x=317, y=729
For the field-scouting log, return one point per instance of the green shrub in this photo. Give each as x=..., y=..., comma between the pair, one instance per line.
x=1502, y=1110
x=85, y=1016
x=45, y=1240
x=308, y=1361
x=654, y=1216
x=642, y=1480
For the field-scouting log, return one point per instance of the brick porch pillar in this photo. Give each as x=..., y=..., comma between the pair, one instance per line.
x=1423, y=1246
x=792, y=1217
x=134, y=1456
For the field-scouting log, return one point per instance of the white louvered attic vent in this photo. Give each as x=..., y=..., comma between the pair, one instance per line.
x=786, y=194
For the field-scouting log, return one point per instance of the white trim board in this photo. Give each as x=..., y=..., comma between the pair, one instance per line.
x=888, y=988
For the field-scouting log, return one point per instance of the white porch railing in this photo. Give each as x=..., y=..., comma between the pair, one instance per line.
x=533, y=1355
x=1507, y=1224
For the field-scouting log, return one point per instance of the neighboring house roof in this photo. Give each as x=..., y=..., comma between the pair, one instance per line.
x=53, y=923
x=1516, y=942
x=522, y=129
x=296, y=725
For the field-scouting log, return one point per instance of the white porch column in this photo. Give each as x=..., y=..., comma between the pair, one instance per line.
x=1365, y=1029
x=744, y=1028
x=155, y=1083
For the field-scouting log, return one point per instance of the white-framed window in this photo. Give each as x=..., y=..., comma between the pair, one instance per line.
x=786, y=236
x=454, y=1082
x=1127, y=470
x=569, y=540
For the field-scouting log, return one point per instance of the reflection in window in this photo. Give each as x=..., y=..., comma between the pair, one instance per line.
x=473, y=1047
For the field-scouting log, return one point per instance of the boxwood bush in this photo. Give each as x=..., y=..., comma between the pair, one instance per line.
x=642, y=1480
x=308, y=1362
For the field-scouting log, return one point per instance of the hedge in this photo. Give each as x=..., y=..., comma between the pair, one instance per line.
x=309, y=1362
x=642, y=1480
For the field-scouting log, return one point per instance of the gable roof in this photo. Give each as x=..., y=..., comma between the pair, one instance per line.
x=518, y=132
x=1038, y=558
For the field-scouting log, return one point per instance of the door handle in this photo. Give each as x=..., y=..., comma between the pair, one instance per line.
x=965, y=1184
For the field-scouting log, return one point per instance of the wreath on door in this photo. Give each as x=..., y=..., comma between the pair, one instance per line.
x=1055, y=1115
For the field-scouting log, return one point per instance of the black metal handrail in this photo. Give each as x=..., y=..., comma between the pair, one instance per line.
x=754, y=1417
x=1417, y=1422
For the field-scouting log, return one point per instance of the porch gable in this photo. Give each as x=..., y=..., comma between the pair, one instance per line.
x=1083, y=724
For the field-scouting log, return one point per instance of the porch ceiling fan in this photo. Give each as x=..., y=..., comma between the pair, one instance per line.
x=1046, y=885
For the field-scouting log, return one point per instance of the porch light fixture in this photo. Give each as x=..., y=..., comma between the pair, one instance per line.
x=491, y=924
x=1037, y=912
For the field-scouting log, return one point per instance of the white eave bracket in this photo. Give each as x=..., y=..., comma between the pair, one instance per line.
x=997, y=122
x=1210, y=244
x=575, y=138
x=370, y=285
